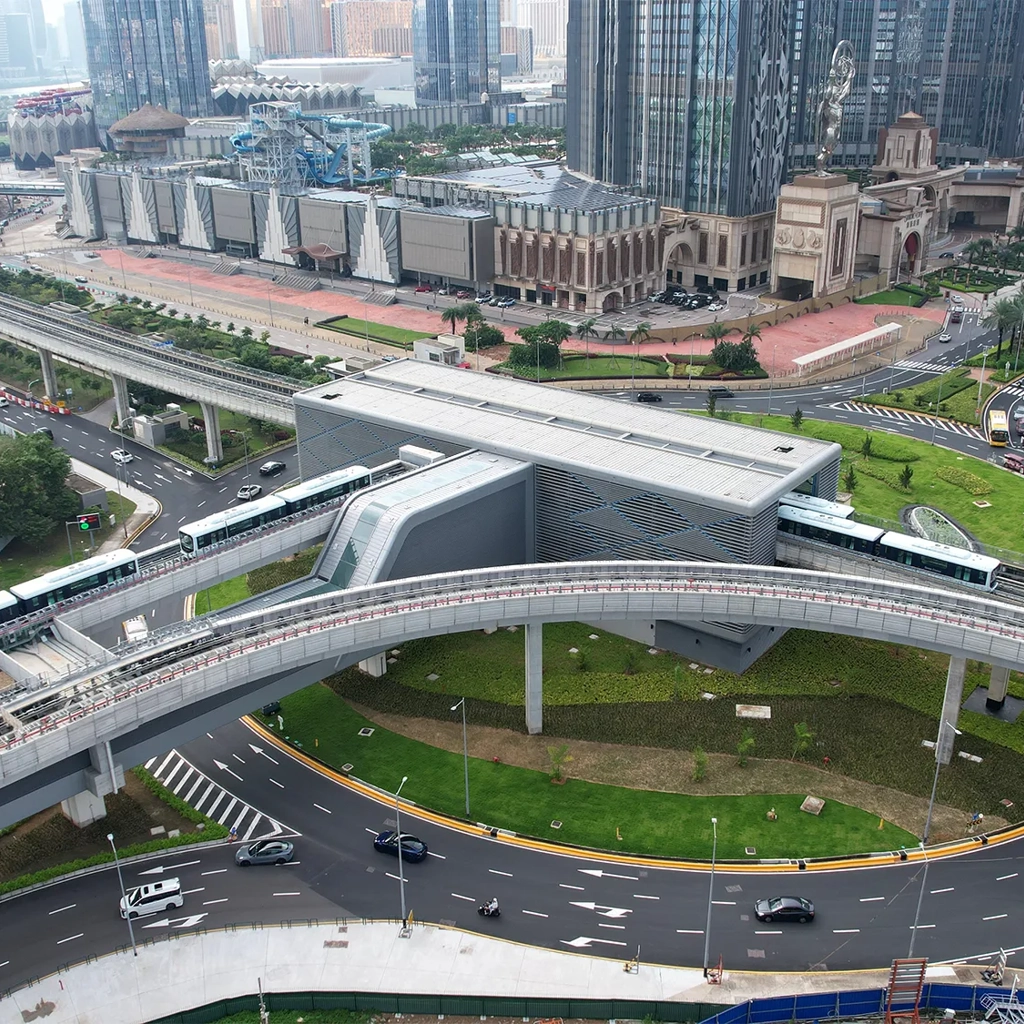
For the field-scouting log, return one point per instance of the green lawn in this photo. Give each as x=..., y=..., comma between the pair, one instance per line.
x=1000, y=526
x=20, y=562
x=893, y=297
x=620, y=366
x=954, y=395
x=357, y=327
x=526, y=801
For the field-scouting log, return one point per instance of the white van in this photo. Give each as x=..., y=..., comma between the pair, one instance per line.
x=3, y=402
x=153, y=898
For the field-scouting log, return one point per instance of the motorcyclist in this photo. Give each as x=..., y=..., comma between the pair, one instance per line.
x=492, y=906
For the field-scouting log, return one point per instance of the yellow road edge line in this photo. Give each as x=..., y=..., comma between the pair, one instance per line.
x=956, y=849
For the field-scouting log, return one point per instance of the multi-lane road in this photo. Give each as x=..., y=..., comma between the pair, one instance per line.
x=971, y=905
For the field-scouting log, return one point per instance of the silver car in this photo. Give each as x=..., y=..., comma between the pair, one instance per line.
x=265, y=851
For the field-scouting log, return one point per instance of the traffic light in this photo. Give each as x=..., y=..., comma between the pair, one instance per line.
x=89, y=521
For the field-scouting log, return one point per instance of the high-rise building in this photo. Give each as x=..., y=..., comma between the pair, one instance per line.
x=74, y=35
x=456, y=50
x=221, y=38
x=686, y=101
x=955, y=62
x=518, y=42
x=310, y=28
x=371, y=28
x=140, y=52
x=549, y=21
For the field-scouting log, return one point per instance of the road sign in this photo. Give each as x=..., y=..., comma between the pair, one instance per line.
x=89, y=521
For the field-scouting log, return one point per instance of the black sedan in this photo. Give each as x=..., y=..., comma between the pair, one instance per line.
x=413, y=849
x=784, y=908
x=265, y=851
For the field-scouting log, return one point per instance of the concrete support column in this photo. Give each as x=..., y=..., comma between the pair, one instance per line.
x=998, y=681
x=49, y=375
x=84, y=808
x=951, y=701
x=211, y=417
x=534, y=679
x=101, y=778
x=122, y=403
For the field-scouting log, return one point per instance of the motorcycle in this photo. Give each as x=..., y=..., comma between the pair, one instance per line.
x=485, y=910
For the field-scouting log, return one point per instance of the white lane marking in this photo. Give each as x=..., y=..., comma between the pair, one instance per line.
x=70, y=938
x=469, y=899
x=227, y=810
x=621, y=927
x=1003, y=878
x=507, y=874
x=534, y=913
x=439, y=856
x=182, y=519
x=163, y=764
x=395, y=877
x=767, y=933
x=724, y=903
x=324, y=809
x=218, y=871
x=5, y=963
x=287, y=894
x=276, y=783
x=372, y=831
x=60, y=910
x=871, y=899
x=935, y=892
x=188, y=892
x=689, y=931
x=911, y=927
x=210, y=903
x=237, y=758
x=845, y=931
x=202, y=800
x=995, y=917
x=638, y=896
x=578, y=888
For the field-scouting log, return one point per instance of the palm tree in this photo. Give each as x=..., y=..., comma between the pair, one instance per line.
x=639, y=334
x=716, y=331
x=753, y=331
x=1003, y=316
x=1016, y=233
x=974, y=253
x=612, y=335
x=452, y=315
x=586, y=331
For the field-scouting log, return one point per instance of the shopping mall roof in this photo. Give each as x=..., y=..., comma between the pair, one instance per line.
x=700, y=458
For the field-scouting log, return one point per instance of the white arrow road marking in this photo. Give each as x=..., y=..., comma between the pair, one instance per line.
x=161, y=868
x=598, y=873
x=224, y=768
x=603, y=910
x=178, y=922
x=582, y=942
x=261, y=752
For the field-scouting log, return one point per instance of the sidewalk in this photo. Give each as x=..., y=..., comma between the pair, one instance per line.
x=147, y=507
x=195, y=969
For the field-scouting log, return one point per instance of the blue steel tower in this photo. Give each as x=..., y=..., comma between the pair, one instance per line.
x=146, y=51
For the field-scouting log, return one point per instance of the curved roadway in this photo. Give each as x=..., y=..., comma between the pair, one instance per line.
x=557, y=899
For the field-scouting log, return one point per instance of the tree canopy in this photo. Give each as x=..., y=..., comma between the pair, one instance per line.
x=34, y=496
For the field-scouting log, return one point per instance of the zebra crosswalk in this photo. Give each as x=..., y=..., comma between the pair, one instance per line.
x=881, y=412
x=916, y=364
x=184, y=780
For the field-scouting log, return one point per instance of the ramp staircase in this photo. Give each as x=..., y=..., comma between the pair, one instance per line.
x=381, y=298
x=227, y=268
x=298, y=280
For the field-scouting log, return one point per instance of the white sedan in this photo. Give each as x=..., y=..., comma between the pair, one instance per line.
x=119, y=455
x=945, y=338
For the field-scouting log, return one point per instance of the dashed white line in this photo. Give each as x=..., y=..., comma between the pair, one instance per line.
x=871, y=899
x=372, y=831
x=70, y=938
x=724, y=903
x=689, y=931
x=237, y=758
x=210, y=903
x=1003, y=878
x=395, y=877
x=279, y=786
x=324, y=809
x=995, y=917
x=578, y=888
x=287, y=894
x=935, y=892
x=218, y=871
x=621, y=927
x=845, y=931
x=5, y=963
x=439, y=856
x=639, y=896
x=188, y=892
x=60, y=910
x=468, y=899
x=534, y=913
x=911, y=927
x=507, y=874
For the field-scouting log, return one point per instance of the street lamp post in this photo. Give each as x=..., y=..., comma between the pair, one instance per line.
x=465, y=748
x=124, y=895
x=711, y=892
x=398, y=832
x=927, y=829
x=771, y=381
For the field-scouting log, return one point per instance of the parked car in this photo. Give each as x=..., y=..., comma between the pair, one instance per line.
x=946, y=255
x=495, y=301
x=720, y=391
x=784, y=908
x=716, y=307
x=482, y=296
x=424, y=288
x=413, y=849
x=444, y=291
x=248, y=491
x=656, y=297
x=265, y=851
x=272, y=468
x=507, y=303
x=463, y=293
x=122, y=457
x=648, y=396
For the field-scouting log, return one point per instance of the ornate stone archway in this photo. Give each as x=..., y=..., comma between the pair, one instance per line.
x=612, y=301
x=679, y=264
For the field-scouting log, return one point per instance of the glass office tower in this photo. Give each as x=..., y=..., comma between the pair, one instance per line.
x=456, y=46
x=686, y=101
x=146, y=51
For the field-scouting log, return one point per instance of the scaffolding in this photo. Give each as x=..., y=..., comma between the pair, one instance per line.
x=279, y=144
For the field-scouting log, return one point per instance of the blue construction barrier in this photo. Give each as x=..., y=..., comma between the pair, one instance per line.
x=813, y=1006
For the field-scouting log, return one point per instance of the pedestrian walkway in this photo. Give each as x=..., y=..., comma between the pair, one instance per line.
x=914, y=364
x=881, y=412
x=199, y=791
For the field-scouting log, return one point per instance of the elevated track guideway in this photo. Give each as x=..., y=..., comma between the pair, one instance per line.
x=109, y=350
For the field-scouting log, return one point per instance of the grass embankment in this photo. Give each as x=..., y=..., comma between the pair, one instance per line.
x=953, y=395
x=578, y=366
x=360, y=329
x=942, y=478
x=893, y=297
x=21, y=562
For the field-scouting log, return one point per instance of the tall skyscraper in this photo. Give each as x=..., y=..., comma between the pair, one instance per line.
x=456, y=50
x=955, y=62
x=370, y=28
x=74, y=34
x=686, y=101
x=142, y=52
x=221, y=38
x=549, y=21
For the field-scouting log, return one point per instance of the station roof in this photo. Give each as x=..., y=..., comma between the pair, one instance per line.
x=728, y=465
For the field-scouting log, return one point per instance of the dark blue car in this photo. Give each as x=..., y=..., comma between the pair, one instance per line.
x=413, y=849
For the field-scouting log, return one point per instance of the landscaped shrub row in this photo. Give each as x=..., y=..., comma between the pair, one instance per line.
x=278, y=573
x=887, y=474
x=970, y=482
